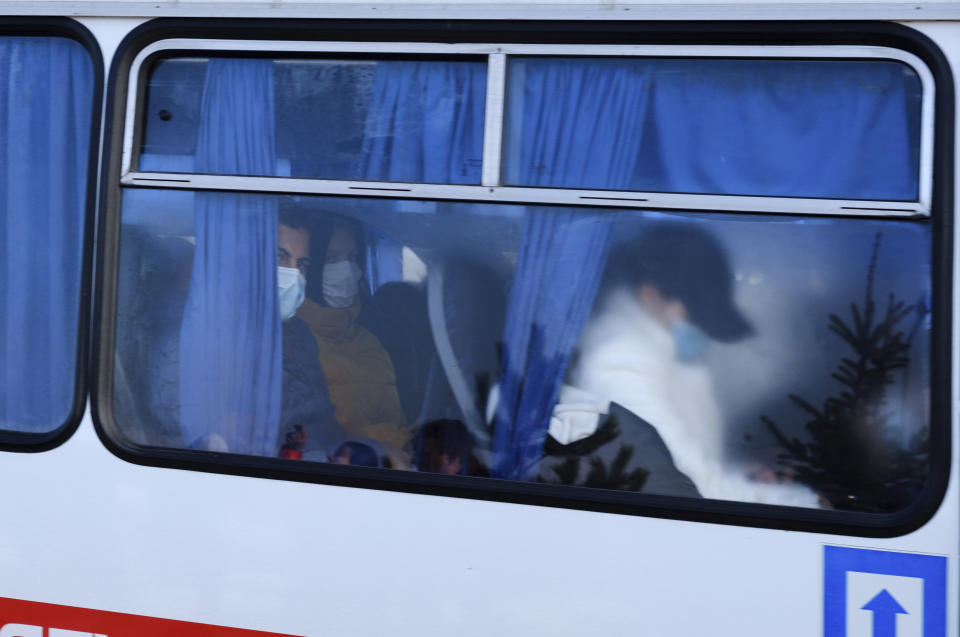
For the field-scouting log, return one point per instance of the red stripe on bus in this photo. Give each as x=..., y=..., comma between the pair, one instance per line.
x=109, y=624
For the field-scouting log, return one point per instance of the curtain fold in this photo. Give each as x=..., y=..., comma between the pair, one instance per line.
x=230, y=340
x=562, y=251
x=46, y=100
x=575, y=123
x=425, y=123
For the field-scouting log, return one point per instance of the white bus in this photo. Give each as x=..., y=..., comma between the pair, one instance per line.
x=432, y=318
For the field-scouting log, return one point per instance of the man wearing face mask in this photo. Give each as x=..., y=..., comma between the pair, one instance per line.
x=358, y=369
x=666, y=295
x=307, y=427
x=307, y=422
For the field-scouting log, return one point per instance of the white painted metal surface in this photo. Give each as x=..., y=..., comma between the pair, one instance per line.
x=85, y=528
x=493, y=124
x=563, y=10
x=508, y=194
x=82, y=527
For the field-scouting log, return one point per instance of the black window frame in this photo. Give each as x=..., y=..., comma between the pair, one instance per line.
x=552, y=32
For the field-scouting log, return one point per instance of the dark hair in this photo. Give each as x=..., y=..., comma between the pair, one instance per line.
x=321, y=226
x=358, y=453
x=686, y=263
x=443, y=438
x=293, y=219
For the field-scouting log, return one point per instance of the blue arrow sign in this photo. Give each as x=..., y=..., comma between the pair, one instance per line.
x=839, y=561
x=885, y=610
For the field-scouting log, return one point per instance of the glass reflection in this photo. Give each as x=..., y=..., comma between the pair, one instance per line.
x=740, y=357
x=846, y=129
x=353, y=118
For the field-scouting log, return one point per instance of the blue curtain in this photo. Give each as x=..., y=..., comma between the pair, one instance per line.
x=424, y=124
x=783, y=128
x=46, y=99
x=580, y=123
x=562, y=251
x=230, y=341
x=803, y=128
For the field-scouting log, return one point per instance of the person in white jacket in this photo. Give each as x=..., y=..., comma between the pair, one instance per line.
x=666, y=295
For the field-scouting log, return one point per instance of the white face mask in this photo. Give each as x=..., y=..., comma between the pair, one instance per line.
x=341, y=282
x=292, y=288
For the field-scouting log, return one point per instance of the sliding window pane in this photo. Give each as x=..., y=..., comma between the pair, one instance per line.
x=46, y=103
x=790, y=128
x=346, y=119
x=779, y=360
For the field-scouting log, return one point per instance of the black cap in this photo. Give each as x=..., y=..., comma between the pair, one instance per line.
x=688, y=264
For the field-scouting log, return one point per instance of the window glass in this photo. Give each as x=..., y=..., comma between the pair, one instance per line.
x=790, y=128
x=46, y=98
x=349, y=119
x=741, y=357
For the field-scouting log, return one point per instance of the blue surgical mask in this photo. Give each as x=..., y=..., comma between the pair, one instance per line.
x=689, y=341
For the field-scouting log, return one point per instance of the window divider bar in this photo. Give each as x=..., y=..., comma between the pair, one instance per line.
x=529, y=195
x=925, y=183
x=493, y=121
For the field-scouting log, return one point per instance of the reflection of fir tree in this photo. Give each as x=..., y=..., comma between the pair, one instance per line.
x=851, y=459
x=600, y=476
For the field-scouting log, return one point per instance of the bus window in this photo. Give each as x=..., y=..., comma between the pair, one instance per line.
x=737, y=357
x=46, y=126
x=788, y=128
x=361, y=311
x=539, y=328
x=360, y=119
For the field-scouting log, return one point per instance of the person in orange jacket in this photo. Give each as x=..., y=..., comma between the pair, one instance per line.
x=359, y=373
